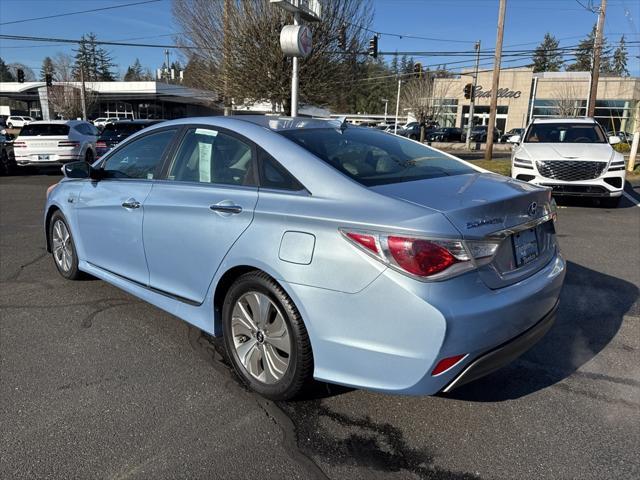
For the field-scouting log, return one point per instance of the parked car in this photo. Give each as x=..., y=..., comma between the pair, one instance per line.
x=55, y=142
x=571, y=156
x=479, y=134
x=317, y=249
x=7, y=159
x=447, y=134
x=100, y=122
x=16, y=121
x=115, y=132
x=510, y=134
x=412, y=131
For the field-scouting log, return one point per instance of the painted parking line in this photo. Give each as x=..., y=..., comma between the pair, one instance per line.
x=632, y=199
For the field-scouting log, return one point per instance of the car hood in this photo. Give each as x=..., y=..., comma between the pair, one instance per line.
x=477, y=204
x=601, y=152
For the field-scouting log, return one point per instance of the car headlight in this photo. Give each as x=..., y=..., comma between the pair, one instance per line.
x=522, y=163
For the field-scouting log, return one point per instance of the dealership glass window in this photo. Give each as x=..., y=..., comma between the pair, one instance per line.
x=446, y=112
x=613, y=115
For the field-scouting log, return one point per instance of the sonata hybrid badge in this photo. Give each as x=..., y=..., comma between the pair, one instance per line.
x=486, y=221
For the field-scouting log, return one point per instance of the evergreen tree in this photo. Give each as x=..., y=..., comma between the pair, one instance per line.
x=134, y=72
x=395, y=65
x=619, y=64
x=584, y=54
x=93, y=60
x=47, y=68
x=5, y=73
x=547, y=57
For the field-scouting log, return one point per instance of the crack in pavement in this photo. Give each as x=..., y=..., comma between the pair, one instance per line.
x=16, y=274
x=212, y=350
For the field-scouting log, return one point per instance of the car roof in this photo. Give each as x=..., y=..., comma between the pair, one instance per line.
x=564, y=120
x=58, y=122
x=136, y=122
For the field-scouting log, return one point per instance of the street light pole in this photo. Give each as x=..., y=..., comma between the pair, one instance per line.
x=473, y=96
x=395, y=127
x=386, y=104
x=294, y=75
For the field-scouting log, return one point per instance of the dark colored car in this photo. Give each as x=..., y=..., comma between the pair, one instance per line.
x=479, y=134
x=511, y=133
x=448, y=134
x=7, y=159
x=412, y=131
x=115, y=132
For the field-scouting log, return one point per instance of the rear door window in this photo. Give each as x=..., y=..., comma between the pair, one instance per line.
x=45, y=130
x=209, y=156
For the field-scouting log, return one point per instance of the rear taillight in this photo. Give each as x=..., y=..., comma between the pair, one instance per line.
x=19, y=144
x=68, y=144
x=101, y=145
x=425, y=258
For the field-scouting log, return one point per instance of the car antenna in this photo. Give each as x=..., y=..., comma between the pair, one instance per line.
x=341, y=123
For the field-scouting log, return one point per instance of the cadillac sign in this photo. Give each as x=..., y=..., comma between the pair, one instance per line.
x=502, y=93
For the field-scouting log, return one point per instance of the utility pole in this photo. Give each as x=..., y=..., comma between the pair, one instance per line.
x=395, y=127
x=488, y=153
x=595, y=64
x=473, y=96
x=83, y=94
x=226, y=48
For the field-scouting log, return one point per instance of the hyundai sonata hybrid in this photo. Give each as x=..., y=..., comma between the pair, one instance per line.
x=317, y=249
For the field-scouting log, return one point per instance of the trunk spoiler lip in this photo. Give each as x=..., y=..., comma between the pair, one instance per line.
x=501, y=234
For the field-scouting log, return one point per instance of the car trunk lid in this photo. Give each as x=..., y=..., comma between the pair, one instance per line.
x=483, y=206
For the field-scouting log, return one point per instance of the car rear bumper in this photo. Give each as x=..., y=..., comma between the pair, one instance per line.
x=610, y=184
x=390, y=336
x=54, y=160
x=504, y=354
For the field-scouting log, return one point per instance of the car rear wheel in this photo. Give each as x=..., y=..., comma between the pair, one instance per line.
x=63, y=248
x=6, y=164
x=9, y=125
x=265, y=337
x=88, y=157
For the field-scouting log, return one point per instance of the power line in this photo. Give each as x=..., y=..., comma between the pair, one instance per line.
x=408, y=35
x=13, y=22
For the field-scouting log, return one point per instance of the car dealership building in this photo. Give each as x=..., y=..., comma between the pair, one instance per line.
x=523, y=94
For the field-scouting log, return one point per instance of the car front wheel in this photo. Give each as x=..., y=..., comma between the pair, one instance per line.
x=266, y=338
x=63, y=247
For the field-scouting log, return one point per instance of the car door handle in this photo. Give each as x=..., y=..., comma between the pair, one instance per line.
x=131, y=203
x=235, y=209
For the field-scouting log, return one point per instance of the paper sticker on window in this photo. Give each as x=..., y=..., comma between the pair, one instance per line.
x=204, y=131
x=204, y=163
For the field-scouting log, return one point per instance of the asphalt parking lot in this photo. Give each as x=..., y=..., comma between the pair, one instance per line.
x=94, y=383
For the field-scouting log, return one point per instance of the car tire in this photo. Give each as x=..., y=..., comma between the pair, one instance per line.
x=9, y=125
x=610, y=202
x=88, y=156
x=63, y=248
x=257, y=343
x=7, y=164
x=413, y=137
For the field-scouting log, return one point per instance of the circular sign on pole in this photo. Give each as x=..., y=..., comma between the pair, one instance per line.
x=296, y=40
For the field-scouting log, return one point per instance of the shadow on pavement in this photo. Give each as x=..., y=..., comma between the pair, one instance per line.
x=592, y=306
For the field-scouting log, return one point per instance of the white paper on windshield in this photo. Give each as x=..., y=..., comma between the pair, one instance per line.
x=204, y=131
x=204, y=150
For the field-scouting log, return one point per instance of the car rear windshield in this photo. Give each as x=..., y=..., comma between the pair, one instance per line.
x=565, y=133
x=374, y=158
x=45, y=130
x=120, y=130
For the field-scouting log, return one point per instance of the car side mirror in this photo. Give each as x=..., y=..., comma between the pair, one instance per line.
x=80, y=169
x=614, y=139
x=514, y=139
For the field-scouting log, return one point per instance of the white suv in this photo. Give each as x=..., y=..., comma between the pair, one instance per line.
x=572, y=156
x=55, y=142
x=15, y=121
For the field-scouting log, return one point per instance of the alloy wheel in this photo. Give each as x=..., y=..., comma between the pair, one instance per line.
x=261, y=337
x=62, y=249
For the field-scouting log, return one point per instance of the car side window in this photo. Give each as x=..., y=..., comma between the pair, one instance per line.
x=273, y=175
x=209, y=156
x=141, y=158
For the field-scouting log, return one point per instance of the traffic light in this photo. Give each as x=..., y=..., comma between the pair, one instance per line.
x=342, y=37
x=468, y=90
x=48, y=78
x=417, y=69
x=373, y=46
x=20, y=75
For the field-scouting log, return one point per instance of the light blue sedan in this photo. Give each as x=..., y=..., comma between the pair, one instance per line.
x=317, y=249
